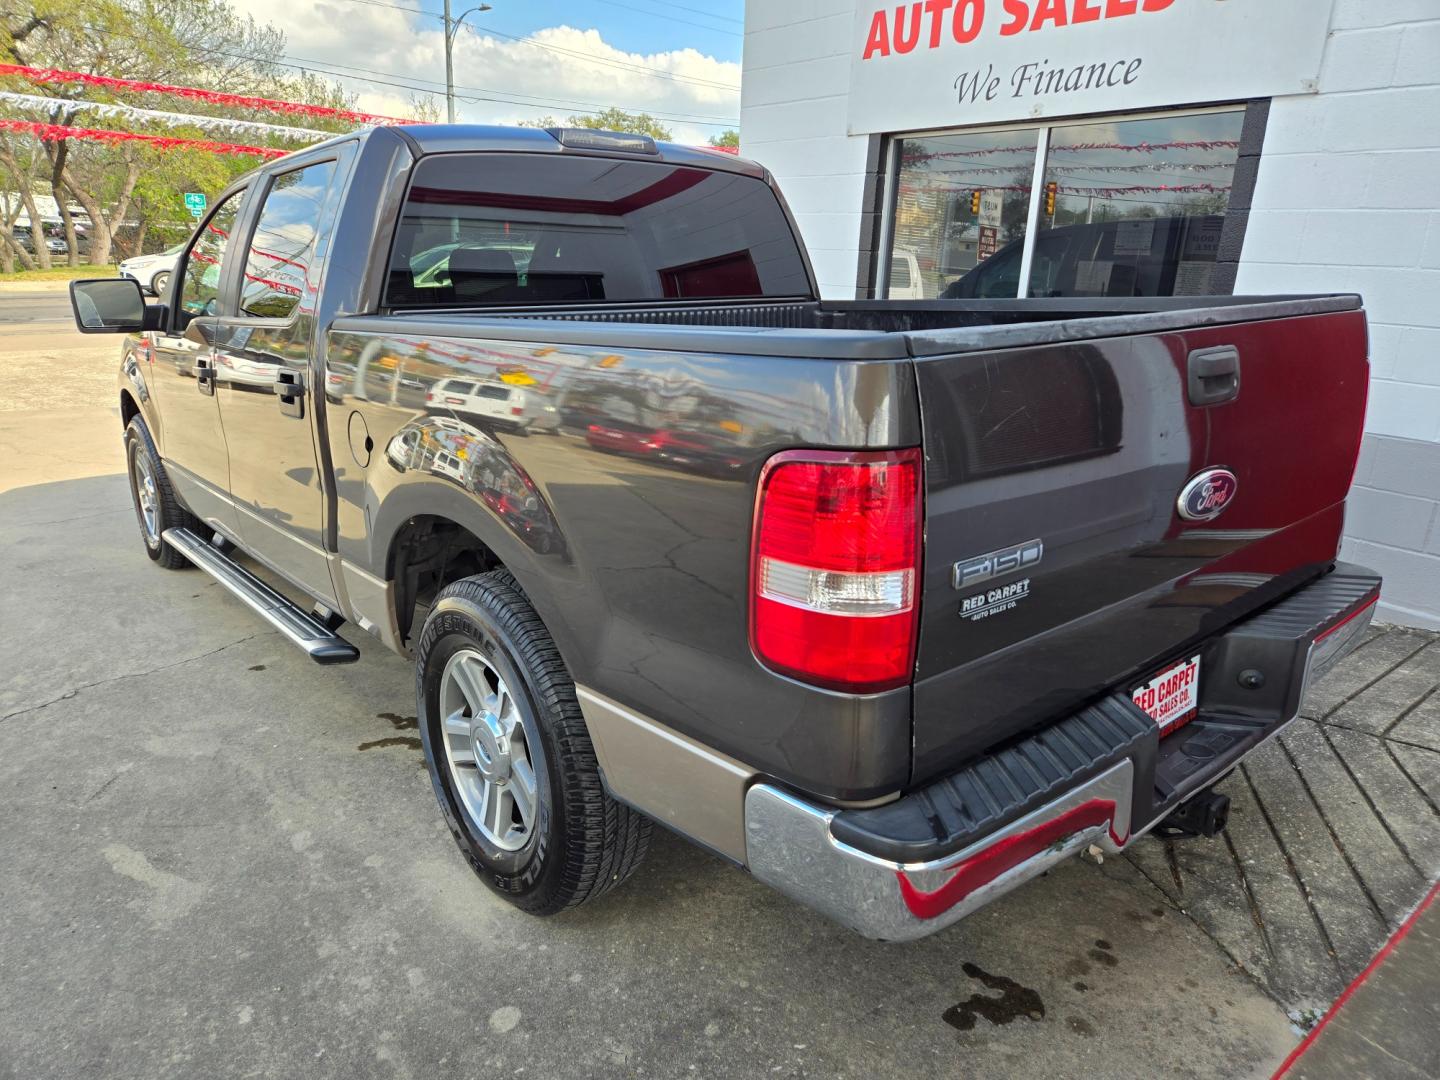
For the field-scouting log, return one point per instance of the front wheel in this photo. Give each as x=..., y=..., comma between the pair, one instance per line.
x=156, y=507
x=509, y=755
x=160, y=282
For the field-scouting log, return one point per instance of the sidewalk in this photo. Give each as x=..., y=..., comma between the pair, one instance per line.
x=1387, y=1024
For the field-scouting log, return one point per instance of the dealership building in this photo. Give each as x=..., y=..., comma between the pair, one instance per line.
x=1011, y=148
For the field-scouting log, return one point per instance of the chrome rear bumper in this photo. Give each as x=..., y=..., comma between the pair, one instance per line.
x=1112, y=793
x=791, y=849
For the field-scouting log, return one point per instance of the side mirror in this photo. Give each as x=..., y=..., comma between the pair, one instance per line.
x=109, y=306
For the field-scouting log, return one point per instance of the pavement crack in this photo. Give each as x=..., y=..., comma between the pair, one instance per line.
x=1387, y=739
x=77, y=517
x=1294, y=872
x=68, y=694
x=1421, y=700
x=1383, y=675
x=1370, y=802
x=1360, y=881
x=1173, y=861
x=1256, y=915
x=1409, y=775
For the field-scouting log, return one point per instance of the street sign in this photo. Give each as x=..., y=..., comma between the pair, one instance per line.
x=195, y=202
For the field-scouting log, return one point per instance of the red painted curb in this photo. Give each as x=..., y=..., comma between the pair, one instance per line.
x=1385, y=950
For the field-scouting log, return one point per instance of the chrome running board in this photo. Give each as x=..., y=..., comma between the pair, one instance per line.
x=321, y=643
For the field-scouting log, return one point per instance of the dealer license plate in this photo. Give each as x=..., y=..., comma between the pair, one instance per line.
x=1171, y=697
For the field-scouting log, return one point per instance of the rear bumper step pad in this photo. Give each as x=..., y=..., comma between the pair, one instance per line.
x=321, y=643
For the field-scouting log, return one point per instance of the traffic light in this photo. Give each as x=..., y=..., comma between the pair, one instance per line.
x=1050, y=189
x=974, y=202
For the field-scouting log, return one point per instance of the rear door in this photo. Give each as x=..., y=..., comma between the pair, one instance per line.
x=263, y=364
x=1057, y=564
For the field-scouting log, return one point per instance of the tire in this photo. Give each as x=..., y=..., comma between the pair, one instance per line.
x=158, y=510
x=579, y=842
x=159, y=283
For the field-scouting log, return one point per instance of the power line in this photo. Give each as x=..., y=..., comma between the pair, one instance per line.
x=675, y=18
x=643, y=69
x=484, y=94
x=698, y=11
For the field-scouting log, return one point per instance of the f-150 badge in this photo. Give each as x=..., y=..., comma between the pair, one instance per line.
x=993, y=564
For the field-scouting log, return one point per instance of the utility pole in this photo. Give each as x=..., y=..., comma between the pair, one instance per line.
x=452, y=27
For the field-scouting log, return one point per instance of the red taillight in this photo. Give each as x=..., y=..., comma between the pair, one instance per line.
x=835, y=565
x=517, y=410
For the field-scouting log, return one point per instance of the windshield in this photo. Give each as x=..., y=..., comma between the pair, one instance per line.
x=483, y=229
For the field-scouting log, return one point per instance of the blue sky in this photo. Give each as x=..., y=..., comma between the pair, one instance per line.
x=662, y=27
x=676, y=59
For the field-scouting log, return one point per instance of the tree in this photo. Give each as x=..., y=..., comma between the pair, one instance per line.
x=611, y=119
x=730, y=138
x=188, y=42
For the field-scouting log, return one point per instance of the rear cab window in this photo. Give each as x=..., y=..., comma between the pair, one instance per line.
x=496, y=228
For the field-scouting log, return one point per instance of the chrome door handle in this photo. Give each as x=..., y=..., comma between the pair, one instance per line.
x=290, y=389
x=205, y=374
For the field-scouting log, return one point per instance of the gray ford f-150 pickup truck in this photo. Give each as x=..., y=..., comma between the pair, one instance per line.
x=893, y=604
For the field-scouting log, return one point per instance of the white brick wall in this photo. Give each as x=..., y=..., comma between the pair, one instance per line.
x=792, y=120
x=1348, y=199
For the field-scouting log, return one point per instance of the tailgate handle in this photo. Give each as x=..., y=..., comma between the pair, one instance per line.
x=1214, y=375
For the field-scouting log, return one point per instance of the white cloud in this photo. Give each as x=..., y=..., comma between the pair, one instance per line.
x=409, y=48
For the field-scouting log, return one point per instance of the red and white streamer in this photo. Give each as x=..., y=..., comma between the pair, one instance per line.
x=56, y=132
x=1097, y=192
x=157, y=116
x=214, y=97
x=913, y=154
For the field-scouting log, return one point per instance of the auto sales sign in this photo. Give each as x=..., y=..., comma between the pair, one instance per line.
x=946, y=63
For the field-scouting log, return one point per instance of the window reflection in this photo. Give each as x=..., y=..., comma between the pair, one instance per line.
x=1135, y=208
x=960, y=200
x=1126, y=208
x=282, y=247
x=201, y=284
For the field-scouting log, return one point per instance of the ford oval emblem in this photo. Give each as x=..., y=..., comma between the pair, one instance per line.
x=1206, y=495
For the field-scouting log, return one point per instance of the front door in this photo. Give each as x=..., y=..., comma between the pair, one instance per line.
x=190, y=438
x=263, y=372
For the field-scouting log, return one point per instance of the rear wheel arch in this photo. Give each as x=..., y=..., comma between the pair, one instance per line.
x=426, y=553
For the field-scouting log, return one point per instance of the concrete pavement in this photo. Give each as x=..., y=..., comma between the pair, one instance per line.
x=220, y=859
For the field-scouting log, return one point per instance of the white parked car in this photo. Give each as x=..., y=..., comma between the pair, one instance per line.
x=508, y=408
x=153, y=271
x=905, y=283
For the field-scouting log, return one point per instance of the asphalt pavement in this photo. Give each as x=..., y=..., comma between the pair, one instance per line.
x=222, y=860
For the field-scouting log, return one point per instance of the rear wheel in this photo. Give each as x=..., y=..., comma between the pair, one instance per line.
x=156, y=507
x=509, y=755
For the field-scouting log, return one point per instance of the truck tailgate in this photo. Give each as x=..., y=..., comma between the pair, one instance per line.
x=1056, y=564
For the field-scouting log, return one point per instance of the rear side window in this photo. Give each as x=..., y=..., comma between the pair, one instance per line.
x=492, y=228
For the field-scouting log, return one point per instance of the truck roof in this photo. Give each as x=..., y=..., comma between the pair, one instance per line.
x=470, y=138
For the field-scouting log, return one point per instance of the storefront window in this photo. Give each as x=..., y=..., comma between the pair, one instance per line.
x=959, y=200
x=1126, y=208
x=1134, y=208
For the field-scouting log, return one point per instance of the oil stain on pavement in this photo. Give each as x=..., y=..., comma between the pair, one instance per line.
x=1014, y=1001
x=399, y=723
